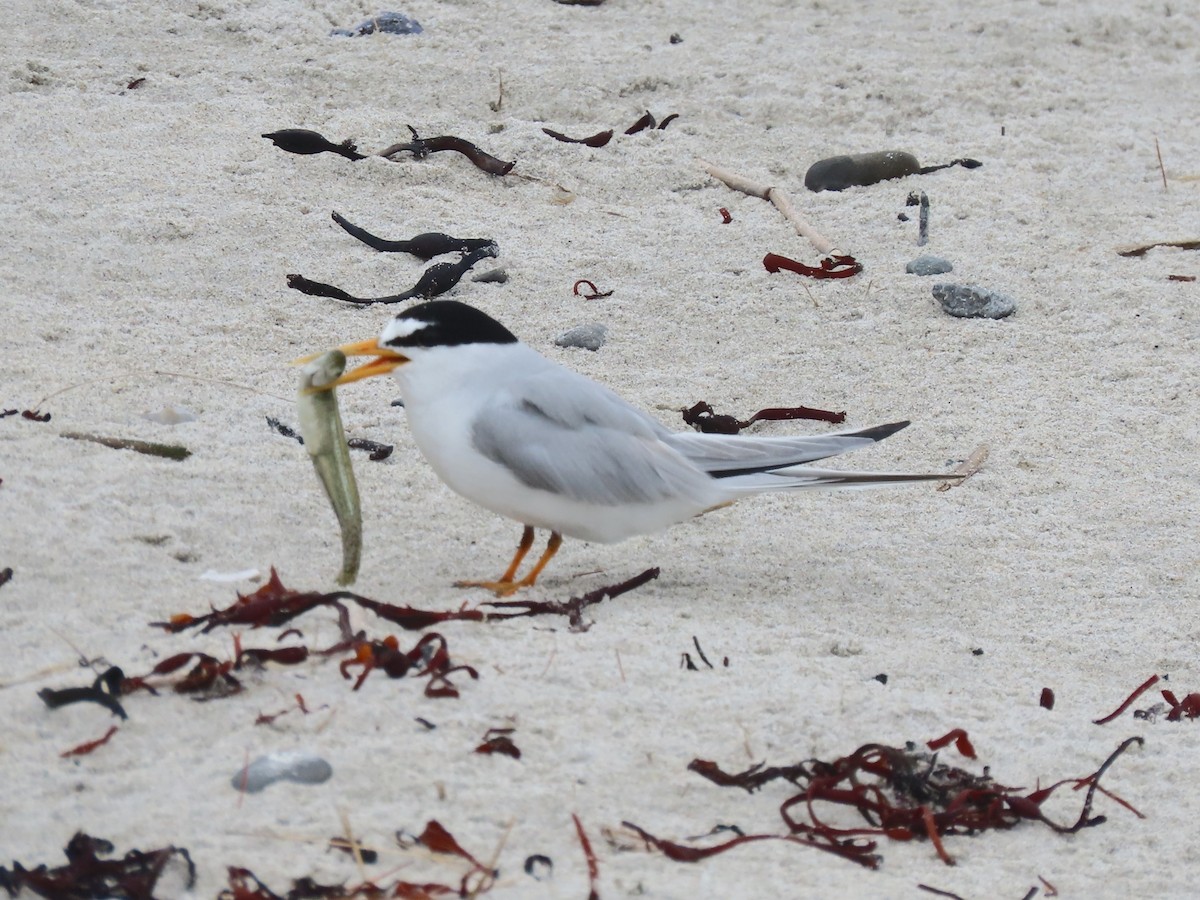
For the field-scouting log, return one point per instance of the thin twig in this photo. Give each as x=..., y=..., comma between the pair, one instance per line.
x=780, y=201
x=967, y=467
x=499, y=101
x=353, y=844
x=1162, y=169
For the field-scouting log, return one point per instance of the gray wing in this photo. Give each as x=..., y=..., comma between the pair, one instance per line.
x=560, y=432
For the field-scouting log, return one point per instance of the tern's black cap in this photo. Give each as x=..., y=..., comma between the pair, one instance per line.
x=444, y=323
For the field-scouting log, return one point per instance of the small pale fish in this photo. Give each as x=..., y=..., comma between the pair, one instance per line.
x=325, y=439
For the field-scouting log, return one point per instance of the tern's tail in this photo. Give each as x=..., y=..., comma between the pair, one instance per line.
x=751, y=465
x=798, y=478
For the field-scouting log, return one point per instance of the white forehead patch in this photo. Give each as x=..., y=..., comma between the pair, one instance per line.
x=401, y=328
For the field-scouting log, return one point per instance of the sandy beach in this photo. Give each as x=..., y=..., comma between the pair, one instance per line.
x=148, y=231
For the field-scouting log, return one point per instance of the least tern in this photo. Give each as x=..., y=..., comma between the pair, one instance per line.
x=529, y=439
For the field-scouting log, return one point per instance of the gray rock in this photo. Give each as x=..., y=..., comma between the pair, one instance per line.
x=286, y=765
x=970, y=301
x=385, y=22
x=492, y=276
x=171, y=414
x=928, y=264
x=840, y=172
x=589, y=337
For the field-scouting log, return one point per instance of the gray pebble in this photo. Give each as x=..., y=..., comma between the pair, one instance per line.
x=171, y=414
x=840, y=172
x=970, y=301
x=286, y=765
x=493, y=276
x=385, y=22
x=589, y=337
x=928, y=264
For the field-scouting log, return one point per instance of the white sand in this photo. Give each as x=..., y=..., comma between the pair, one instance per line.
x=149, y=231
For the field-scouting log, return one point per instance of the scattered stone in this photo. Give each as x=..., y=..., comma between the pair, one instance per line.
x=224, y=577
x=840, y=172
x=171, y=414
x=970, y=301
x=385, y=23
x=589, y=337
x=928, y=264
x=286, y=765
x=493, y=276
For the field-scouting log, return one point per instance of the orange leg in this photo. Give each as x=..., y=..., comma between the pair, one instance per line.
x=552, y=546
x=507, y=586
x=522, y=548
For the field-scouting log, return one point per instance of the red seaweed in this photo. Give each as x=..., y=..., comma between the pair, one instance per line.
x=573, y=608
x=88, y=746
x=273, y=604
x=499, y=740
x=592, y=866
x=594, y=292
x=1188, y=707
x=1138, y=691
x=901, y=793
x=958, y=736
x=245, y=885
x=831, y=266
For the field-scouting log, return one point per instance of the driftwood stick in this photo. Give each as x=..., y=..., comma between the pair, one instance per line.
x=967, y=468
x=780, y=201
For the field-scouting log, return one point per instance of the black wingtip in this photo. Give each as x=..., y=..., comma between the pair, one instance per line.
x=879, y=432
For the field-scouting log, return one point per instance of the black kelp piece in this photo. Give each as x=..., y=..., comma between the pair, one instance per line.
x=646, y=121
x=378, y=452
x=965, y=162
x=421, y=147
x=104, y=690
x=704, y=418
x=286, y=431
x=320, y=289
x=436, y=280
x=599, y=139
x=307, y=143
x=423, y=246
x=133, y=877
